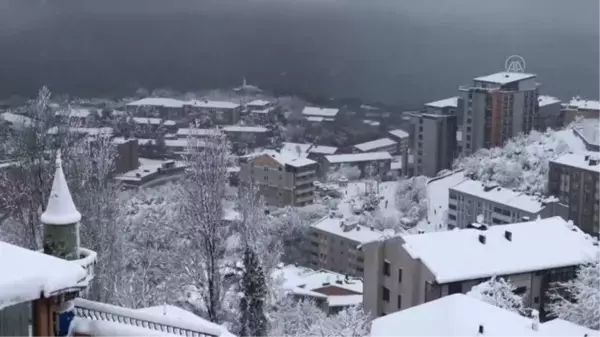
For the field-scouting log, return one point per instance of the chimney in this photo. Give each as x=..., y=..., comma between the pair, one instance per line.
x=480, y=329
x=535, y=320
x=482, y=239
x=508, y=235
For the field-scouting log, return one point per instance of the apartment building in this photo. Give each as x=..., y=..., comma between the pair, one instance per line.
x=471, y=198
x=405, y=271
x=573, y=178
x=549, y=113
x=370, y=162
x=435, y=144
x=282, y=179
x=219, y=112
x=463, y=315
x=157, y=106
x=498, y=107
x=318, y=114
x=587, y=131
x=334, y=245
x=578, y=107
x=377, y=145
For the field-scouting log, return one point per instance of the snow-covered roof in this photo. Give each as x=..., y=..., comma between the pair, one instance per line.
x=184, y=132
x=588, y=130
x=90, y=131
x=212, y=104
x=320, y=112
x=315, y=119
x=584, y=104
x=321, y=149
x=307, y=282
x=514, y=199
x=158, y=101
x=146, y=120
x=344, y=228
x=298, y=149
x=375, y=144
x=399, y=133
x=16, y=119
x=244, y=128
x=462, y=315
x=28, y=275
x=358, y=157
x=578, y=160
x=544, y=100
x=60, y=209
x=451, y=102
x=75, y=113
x=459, y=255
x=177, y=313
x=261, y=103
x=284, y=158
x=504, y=77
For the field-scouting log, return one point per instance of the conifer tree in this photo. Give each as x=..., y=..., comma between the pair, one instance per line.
x=252, y=304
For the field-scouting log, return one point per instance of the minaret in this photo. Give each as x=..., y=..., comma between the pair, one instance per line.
x=61, y=219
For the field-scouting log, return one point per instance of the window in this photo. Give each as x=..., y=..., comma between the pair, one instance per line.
x=520, y=291
x=452, y=216
x=452, y=206
x=400, y=275
x=266, y=178
x=386, y=268
x=385, y=294
x=399, y=301
x=454, y=288
x=536, y=300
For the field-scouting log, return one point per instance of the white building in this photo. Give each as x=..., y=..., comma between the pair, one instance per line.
x=471, y=198
x=379, y=161
x=324, y=114
x=461, y=315
x=579, y=108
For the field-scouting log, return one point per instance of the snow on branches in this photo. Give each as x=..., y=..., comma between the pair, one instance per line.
x=500, y=293
x=411, y=199
x=522, y=164
x=578, y=300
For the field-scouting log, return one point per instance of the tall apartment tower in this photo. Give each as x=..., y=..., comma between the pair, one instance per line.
x=434, y=146
x=498, y=107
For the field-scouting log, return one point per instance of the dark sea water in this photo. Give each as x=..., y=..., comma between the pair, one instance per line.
x=402, y=52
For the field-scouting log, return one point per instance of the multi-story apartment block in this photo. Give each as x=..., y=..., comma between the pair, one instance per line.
x=157, y=106
x=470, y=199
x=447, y=106
x=408, y=270
x=579, y=108
x=282, y=179
x=549, y=113
x=573, y=178
x=403, y=139
x=378, y=145
x=219, y=112
x=498, y=107
x=315, y=114
x=434, y=146
x=334, y=245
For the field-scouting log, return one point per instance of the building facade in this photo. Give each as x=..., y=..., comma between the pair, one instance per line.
x=573, y=178
x=405, y=271
x=470, y=199
x=282, y=180
x=334, y=245
x=435, y=144
x=579, y=108
x=378, y=145
x=498, y=107
x=549, y=113
x=378, y=163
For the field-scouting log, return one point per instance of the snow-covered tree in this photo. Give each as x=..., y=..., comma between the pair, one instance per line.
x=201, y=226
x=578, y=300
x=498, y=292
x=411, y=199
x=349, y=172
x=253, y=320
x=522, y=164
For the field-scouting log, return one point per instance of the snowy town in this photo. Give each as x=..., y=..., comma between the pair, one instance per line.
x=238, y=213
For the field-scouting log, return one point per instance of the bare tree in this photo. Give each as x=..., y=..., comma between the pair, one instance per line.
x=201, y=225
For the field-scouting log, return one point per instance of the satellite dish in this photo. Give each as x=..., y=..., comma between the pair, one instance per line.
x=515, y=64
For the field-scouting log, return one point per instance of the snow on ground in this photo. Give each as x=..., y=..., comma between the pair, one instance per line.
x=437, y=195
x=351, y=198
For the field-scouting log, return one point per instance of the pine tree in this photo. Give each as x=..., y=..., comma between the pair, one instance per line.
x=252, y=304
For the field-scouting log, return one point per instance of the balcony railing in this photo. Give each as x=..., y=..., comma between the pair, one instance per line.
x=87, y=260
x=108, y=313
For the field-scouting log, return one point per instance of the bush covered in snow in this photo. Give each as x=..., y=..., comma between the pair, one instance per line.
x=522, y=164
x=411, y=199
x=500, y=293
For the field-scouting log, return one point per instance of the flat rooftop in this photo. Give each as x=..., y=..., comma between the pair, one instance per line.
x=399, y=133
x=578, y=160
x=358, y=157
x=158, y=101
x=357, y=233
x=584, y=104
x=375, y=144
x=505, y=77
x=514, y=199
x=544, y=100
x=320, y=112
x=535, y=245
x=451, y=102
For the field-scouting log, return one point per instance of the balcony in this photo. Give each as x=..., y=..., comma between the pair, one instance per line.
x=87, y=260
x=305, y=173
x=305, y=190
x=304, y=180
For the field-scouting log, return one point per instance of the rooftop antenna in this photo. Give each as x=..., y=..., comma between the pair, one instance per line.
x=515, y=64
